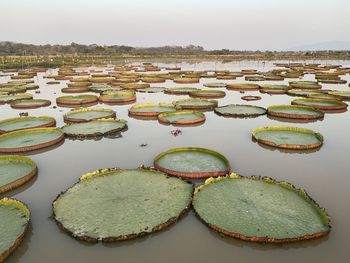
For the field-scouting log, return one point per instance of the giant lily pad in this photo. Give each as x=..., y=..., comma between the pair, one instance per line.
x=214, y=94
x=78, y=89
x=30, y=104
x=76, y=100
x=241, y=111
x=321, y=104
x=215, y=85
x=287, y=137
x=182, y=117
x=193, y=163
x=259, y=210
x=153, y=80
x=30, y=139
x=180, y=90
x=151, y=90
x=94, y=128
x=135, y=86
x=21, y=123
x=14, y=224
x=104, y=88
x=13, y=97
x=12, y=90
x=295, y=112
x=344, y=95
x=112, y=204
x=250, y=98
x=274, y=89
x=118, y=97
x=303, y=92
x=323, y=96
x=15, y=171
x=150, y=109
x=196, y=104
x=333, y=81
x=242, y=86
x=88, y=114
x=186, y=80
x=305, y=85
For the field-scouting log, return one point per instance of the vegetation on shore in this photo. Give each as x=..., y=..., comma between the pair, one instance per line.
x=18, y=55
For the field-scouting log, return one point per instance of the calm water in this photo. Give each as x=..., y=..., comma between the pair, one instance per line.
x=323, y=173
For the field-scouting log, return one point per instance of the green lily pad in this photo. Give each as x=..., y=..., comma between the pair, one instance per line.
x=287, y=137
x=105, y=88
x=238, y=110
x=305, y=85
x=16, y=89
x=274, y=89
x=242, y=86
x=112, y=204
x=185, y=80
x=30, y=104
x=323, y=96
x=14, y=224
x=30, y=139
x=151, y=90
x=214, y=94
x=94, y=128
x=150, y=109
x=215, y=85
x=303, y=92
x=76, y=100
x=118, y=97
x=333, y=81
x=250, y=98
x=195, y=104
x=255, y=78
x=13, y=97
x=191, y=162
x=180, y=90
x=76, y=89
x=344, y=95
x=31, y=86
x=28, y=122
x=295, y=112
x=321, y=104
x=259, y=210
x=15, y=171
x=182, y=117
x=135, y=86
x=88, y=114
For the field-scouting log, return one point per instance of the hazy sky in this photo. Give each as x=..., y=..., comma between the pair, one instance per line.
x=213, y=24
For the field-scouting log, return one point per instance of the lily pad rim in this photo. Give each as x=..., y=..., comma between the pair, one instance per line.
x=24, y=179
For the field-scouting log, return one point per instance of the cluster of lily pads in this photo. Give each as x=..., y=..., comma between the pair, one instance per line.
x=115, y=204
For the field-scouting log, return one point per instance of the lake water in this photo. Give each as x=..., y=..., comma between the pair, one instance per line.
x=324, y=174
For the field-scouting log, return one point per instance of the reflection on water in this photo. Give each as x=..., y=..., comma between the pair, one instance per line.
x=323, y=173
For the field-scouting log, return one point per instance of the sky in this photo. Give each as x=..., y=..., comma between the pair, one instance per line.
x=213, y=24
